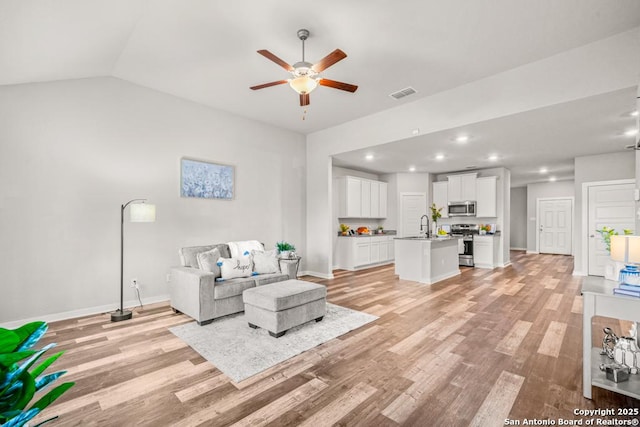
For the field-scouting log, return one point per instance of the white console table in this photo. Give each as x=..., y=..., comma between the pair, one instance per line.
x=599, y=300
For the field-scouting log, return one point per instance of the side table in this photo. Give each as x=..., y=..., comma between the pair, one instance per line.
x=599, y=300
x=292, y=265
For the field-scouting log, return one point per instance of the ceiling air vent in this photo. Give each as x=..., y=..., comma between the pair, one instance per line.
x=403, y=92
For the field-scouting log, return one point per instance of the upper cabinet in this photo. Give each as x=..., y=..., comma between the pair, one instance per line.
x=440, y=197
x=486, y=191
x=361, y=198
x=462, y=187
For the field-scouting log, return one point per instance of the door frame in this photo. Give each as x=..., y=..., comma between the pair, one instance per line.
x=573, y=220
x=584, y=233
x=401, y=211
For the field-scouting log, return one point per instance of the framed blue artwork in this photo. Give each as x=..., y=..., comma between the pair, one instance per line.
x=206, y=180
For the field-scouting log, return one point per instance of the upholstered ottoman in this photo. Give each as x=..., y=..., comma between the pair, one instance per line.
x=280, y=306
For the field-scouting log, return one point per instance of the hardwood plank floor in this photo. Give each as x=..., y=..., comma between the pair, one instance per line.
x=471, y=350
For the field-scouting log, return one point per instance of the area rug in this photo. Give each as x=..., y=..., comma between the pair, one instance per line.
x=241, y=352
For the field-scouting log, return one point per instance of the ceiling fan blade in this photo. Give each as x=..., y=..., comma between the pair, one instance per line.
x=275, y=59
x=262, y=86
x=304, y=99
x=329, y=60
x=338, y=85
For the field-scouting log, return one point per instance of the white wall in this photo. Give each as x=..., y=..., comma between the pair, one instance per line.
x=603, y=66
x=604, y=167
x=71, y=152
x=518, y=223
x=544, y=190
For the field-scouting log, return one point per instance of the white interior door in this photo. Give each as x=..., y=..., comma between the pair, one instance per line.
x=412, y=207
x=612, y=206
x=555, y=226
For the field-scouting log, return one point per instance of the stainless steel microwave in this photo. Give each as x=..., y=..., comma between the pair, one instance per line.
x=462, y=208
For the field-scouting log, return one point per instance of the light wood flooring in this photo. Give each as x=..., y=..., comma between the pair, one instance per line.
x=469, y=351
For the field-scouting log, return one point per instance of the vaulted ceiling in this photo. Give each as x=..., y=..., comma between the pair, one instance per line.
x=205, y=50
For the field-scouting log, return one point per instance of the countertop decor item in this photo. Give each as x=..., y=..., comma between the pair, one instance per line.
x=139, y=212
x=344, y=229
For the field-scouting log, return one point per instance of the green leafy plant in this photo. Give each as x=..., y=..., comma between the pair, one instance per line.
x=436, y=212
x=284, y=246
x=20, y=382
x=607, y=232
x=344, y=228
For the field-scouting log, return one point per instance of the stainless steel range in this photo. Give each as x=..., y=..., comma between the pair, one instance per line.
x=465, y=245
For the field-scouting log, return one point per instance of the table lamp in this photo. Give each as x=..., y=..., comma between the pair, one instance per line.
x=626, y=249
x=139, y=212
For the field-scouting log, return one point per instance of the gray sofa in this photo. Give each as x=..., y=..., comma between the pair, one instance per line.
x=197, y=294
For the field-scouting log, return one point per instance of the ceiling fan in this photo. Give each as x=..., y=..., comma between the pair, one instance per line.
x=305, y=77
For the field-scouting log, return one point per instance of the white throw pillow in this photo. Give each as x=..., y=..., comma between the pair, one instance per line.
x=208, y=261
x=231, y=268
x=239, y=249
x=265, y=262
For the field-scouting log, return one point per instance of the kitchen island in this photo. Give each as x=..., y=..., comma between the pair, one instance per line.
x=426, y=260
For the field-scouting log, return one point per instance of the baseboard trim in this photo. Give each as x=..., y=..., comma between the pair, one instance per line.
x=316, y=274
x=517, y=249
x=578, y=273
x=533, y=253
x=82, y=312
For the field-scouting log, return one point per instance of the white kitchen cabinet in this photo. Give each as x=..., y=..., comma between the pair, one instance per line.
x=363, y=251
x=360, y=252
x=375, y=199
x=462, y=187
x=486, y=193
x=485, y=251
x=441, y=198
x=365, y=197
x=382, y=200
x=361, y=198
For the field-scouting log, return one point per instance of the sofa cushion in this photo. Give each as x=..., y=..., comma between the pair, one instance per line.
x=189, y=255
x=265, y=279
x=238, y=249
x=265, y=262
x=231, y=268
x=208, y=261
x=232, y=287
x=283, y=295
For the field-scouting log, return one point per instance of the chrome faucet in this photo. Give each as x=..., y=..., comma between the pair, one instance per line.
x=422, y=225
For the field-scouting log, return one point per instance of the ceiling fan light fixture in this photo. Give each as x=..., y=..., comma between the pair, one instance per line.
x=303, y=85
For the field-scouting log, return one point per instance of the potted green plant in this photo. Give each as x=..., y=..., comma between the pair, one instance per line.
x=436, y=214
x=344, y=229
x=19, y=382
x=612, y=268
x=285, y=249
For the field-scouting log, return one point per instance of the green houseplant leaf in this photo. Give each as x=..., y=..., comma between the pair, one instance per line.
x=20, y=381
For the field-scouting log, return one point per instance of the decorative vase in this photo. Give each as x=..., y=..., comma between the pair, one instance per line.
x=626, y=353
x=285, y=254
x=612, y=269
x=434, y=231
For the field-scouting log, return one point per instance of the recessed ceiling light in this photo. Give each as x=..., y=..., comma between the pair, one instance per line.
x=631, y=132
x=493, y=157
x=412, y=169
x=369, y=157
x=634, y=113
x=462, y=138
x=552, y=178
x=440, y=156
x=544, y=170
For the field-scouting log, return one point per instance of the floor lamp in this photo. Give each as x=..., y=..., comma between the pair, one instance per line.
x=139, y=212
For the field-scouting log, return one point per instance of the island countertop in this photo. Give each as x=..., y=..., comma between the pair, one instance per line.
x=426, y=259
x=429, y=239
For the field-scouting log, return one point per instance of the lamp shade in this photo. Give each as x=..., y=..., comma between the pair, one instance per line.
x=303, y=84
x=142, y=212
x=625, y=249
